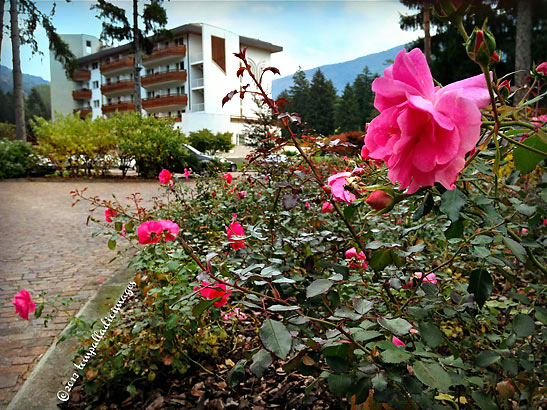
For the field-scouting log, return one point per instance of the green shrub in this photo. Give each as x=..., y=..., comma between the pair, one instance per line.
x=7, y=131
x=15, y=158
x=205, y=141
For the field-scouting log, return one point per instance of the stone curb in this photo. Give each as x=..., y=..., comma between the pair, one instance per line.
x=39, y=392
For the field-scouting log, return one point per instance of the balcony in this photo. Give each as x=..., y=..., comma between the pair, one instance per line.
x=83, y=111
x=165, y=54
x=82, y=94
x=116, y=66
x=81, y=75
x=174, y=118
x=118, y=87
x=165, y=102
x=197, y=83
x=121, y=106
x=171, y=77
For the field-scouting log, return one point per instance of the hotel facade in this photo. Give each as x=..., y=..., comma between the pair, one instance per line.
x=185, y=78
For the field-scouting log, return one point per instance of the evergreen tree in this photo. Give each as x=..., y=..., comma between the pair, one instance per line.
x=347, y=111
x=299, y=95
x=321, y=106
x=362, y=89
x=35, y=106
x=258, y=132
x=7, y=113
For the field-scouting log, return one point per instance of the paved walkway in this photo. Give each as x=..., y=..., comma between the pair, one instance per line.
x=45, y=245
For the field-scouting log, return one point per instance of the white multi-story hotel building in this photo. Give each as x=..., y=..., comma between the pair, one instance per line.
x=185, y=77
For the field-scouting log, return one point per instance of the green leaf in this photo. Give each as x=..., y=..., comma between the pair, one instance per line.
x=336, y=349
x=486, y=358
x=38, y=311
x=318, y=287
x=395, y=356
x=261, y=361
x=276, y=338
x=399, y=327
x=237, y=374
x=480, y=284
x=483, y=401
x=455, y=230
x=516, y=248
x=526, y=160
x=431, y=334
x=111, y=244
x=383, y=258
x=526, y=209
x=425, y=207
x=523, y=325
x=362, y=306
x=118, y=226
x=365, y=335
x=379, y=382
x=131, y=389
x=202, y=306
x=432, y=375
x=340, y=384
x=172, y=265
x=282, y=308
x=451, y=203
x=350, y=211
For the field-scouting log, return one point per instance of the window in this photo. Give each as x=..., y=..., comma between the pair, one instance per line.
x=150, y=94
x=167, y=68
x=180, y=66
x=94, y=66
x=88, y=43
x=96, y=103
x=95, y=84
x=219, y=52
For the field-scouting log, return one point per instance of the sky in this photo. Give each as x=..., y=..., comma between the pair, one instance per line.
x=312, y=33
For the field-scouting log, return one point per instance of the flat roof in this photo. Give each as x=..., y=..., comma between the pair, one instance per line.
x=186, y=28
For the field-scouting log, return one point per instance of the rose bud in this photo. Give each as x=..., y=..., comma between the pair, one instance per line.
x=481, y=47
x=379, y=200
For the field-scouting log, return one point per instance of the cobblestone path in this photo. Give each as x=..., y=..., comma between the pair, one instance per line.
x=45, y=245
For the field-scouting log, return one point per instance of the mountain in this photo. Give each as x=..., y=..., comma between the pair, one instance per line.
x=342, y=73
x=29, y=81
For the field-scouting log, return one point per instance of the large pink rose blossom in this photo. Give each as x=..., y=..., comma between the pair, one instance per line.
x=337, y=182
x=150, y=232
x=423, y=132
x=23, y=304
x=235, y=229
x=165, y=177
x=356, y=260
x=214, y=291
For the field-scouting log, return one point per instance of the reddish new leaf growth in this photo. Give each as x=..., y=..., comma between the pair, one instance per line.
x=241, y=54
x=228, y=97
x=240, y=71
x=274, y=70
x=281, y=102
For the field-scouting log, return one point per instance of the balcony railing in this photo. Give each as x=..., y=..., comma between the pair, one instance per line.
x=81, y=75
x=197, y=82
x=120, y=106
x=83, y=111
x=82, y=94
x=124, y=85
x=175, y=118
x=174, y=51
x=165, y=100
x=117, y=65
x=164, y=77
x=196, y=58
x=198, y=107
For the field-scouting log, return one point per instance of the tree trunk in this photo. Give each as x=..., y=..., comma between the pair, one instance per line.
x=2, y=3
x=18, y=101
x=137, y=64
x=523, y=44
x=427, y=35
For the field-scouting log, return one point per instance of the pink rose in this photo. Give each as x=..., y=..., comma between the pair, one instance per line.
x=307, y=204
x=241, y=194
x=187, y=173
x=431, y=278
x=539, y=121
x=423, y=132
x=108, y=214
x=152, y=231
x=542, y=68
x=327, y=208
x=356, y=260
x=23, y=304
x=165, y=177
x=228, y=177
x=235, y=229
x=337, y=182
x=397, y=342
x=214, y=291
